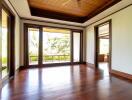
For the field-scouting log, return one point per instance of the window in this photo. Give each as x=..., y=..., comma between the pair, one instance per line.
x=47, y=45
x=56, y=45
x=76, y=46
x=4, y=43
x=7, y=40
x=33, y=45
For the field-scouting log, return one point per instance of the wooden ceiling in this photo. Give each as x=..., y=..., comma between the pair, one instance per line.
x=69, y=10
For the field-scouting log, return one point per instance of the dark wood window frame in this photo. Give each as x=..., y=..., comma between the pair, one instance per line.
x=10, y=41
x=40, y=64
x=96, y=28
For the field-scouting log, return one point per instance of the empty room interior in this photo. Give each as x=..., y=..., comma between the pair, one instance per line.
x=66, y=50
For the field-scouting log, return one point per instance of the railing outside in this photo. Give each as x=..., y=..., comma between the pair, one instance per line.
x=50, y=58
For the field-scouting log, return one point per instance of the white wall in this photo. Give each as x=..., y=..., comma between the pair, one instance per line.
x=17, y=36
x=121, y=40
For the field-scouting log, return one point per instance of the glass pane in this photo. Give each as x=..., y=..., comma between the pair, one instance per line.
x=4, y=43
x=104, y=46
x=76, y=46
x=33, y=45
x=104, y=30
x=56, y=45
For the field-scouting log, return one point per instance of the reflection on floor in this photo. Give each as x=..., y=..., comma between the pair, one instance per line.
x=4, y=72
x=78, y=82
x=104, y=67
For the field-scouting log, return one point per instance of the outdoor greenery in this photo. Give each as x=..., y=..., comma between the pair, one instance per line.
x=4, y=60
x=49, y=58
x=61, y=45
x=58, y=49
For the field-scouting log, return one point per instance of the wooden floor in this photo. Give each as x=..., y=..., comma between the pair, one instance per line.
x=77, y=82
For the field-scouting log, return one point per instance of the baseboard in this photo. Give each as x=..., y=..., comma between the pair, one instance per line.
x=22, y=67
x=121, y=74
x=90, y=65
x=83, y=63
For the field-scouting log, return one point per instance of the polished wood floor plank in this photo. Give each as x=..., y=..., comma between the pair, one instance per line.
x=78, y=82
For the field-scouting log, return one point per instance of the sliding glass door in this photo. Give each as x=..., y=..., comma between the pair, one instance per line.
x=5, y=35
x=56, y=45
x=33, y=45
x=48, y=45
x=7, y=41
